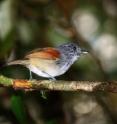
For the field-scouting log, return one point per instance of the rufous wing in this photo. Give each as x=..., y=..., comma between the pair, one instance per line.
x=45, y=53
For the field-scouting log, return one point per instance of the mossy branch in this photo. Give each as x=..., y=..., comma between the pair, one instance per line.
x=28, y=85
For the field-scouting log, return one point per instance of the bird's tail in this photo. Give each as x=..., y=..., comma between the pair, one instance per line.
x=19, y=62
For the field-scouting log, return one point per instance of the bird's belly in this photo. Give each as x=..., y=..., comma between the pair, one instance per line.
x=45, y=69
x=38, y=71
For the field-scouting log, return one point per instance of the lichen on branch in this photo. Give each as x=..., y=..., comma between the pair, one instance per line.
x=28, y=85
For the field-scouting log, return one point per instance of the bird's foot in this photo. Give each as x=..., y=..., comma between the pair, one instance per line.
x=52, y=79
x=43, y=94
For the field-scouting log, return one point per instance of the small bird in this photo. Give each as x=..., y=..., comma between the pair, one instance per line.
x=51, y=62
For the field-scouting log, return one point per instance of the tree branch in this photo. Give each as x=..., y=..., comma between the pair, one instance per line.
x=28, y=85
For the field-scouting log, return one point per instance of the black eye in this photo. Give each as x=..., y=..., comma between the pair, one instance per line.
x=74, y=48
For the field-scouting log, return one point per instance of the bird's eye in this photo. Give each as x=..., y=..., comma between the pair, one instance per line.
x=74, y=48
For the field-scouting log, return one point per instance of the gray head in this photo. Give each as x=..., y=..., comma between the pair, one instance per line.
x=71, y=49
x=70, y=52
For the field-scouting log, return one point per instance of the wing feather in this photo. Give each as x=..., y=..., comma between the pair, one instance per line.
x=44, y=53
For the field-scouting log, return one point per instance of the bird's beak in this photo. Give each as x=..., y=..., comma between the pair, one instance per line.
x=84, y=51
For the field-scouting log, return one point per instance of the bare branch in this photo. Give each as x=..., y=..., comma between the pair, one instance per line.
x=28, y=85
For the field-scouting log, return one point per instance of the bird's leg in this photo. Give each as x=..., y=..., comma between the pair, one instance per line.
x=52, y=78
x=43, y=93
x=30, y=78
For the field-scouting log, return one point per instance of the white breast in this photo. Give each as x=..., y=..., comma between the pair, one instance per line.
x=48, y=68
x=45, y=70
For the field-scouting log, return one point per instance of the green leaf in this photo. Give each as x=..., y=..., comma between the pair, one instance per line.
x=18, y=109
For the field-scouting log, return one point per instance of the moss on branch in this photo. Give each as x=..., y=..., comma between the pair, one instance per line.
x=58, y=85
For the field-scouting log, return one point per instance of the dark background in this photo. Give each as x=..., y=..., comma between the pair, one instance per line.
x=29, y=24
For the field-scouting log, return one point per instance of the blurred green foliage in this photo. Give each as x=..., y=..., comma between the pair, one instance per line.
x=18, y=108
x=29, y=24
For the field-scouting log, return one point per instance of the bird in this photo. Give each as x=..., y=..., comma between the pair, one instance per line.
x=50, y=62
